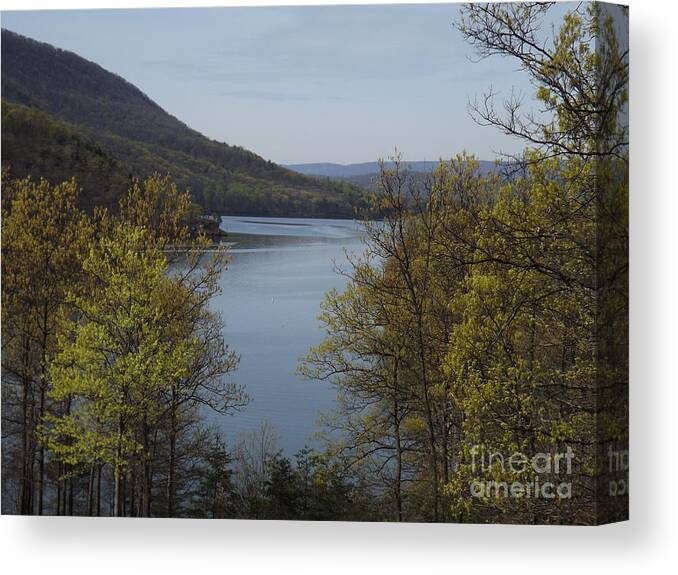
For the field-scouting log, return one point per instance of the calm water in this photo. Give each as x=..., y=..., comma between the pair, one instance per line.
x=281, y=269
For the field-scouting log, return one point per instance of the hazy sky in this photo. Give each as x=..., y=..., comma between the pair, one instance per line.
x=304, y=84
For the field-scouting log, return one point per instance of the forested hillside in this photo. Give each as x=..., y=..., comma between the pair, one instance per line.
x=39, y=144
x=109, y=112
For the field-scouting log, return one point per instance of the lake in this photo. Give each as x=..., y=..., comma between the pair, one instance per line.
x=281, y=269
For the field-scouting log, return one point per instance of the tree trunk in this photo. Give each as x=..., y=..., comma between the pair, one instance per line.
x=132, y=484
x=60, y=487
x=70, y=496
x=172, y=456
x=90, y=492
x=98, y=511
x=43, y=385
x=41, y=454
x=399, y=450
x=429, y=417
x=118, y=476
x=27, y=455
x=146, y=473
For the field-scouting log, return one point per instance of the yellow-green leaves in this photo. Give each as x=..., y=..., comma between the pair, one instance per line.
x=118, y=335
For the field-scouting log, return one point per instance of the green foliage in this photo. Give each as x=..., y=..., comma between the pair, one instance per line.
x=117, y=360
x=82, y=102
x=489, y=313
x=36, y=144
x=45, y=237
x=111, y=345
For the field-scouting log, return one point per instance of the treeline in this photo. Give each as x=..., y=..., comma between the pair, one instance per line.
x=37, y=144
x=259, y=482
x=480, y=350
x=79, y=100
x=110, y=350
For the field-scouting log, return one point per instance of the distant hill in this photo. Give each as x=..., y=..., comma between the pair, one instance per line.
x=365, y=174
x=102, y=115
x=345, y=170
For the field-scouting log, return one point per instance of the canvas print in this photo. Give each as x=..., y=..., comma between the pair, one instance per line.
x=345, y=263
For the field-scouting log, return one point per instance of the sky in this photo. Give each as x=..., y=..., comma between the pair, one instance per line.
x=340, y=84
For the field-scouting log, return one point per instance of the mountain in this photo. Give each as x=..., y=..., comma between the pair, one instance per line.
x=100, y=113
x=346, y=170
x=365, y=174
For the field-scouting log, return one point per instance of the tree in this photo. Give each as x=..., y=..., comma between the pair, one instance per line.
x=253, y=454
x=387, y=333
x=116, y=358
x=141, y=350
x=581, y=74
x=491, y=311
x=158, y=206
x=562, y=229
x=45, y=236
x=363, y=357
